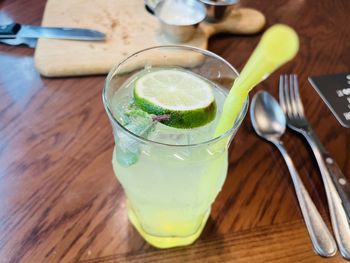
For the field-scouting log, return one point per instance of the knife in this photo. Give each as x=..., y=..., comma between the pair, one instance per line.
x=16, y=30
x=30, y=42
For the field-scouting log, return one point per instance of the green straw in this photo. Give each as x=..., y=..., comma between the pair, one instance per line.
x=278, y=45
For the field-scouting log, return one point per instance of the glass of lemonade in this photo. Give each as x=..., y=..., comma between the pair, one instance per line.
x=164, y=104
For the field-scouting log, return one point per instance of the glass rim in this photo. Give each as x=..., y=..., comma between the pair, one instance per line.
x=220, y=3
x=230, y=131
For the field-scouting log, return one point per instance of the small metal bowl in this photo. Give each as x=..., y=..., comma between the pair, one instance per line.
x=179, y=19
x=216, y=9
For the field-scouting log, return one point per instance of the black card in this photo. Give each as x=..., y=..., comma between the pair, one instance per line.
x=335, y=91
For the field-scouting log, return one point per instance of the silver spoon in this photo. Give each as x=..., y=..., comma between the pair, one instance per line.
x=269, y=122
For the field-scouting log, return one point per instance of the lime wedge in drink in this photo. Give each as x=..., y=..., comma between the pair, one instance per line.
x=187, y=98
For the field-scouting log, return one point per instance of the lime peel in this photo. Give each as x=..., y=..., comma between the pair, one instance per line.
x=184, y=96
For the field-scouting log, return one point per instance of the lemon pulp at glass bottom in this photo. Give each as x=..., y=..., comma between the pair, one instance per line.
x=166, y=242
x=168, y=206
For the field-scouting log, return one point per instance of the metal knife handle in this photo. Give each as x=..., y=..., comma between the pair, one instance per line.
x=339, y=220
x=340, y=182
x=322, y=239
x=9, y=30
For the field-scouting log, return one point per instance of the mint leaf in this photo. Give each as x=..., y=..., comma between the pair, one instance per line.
x=138, y=122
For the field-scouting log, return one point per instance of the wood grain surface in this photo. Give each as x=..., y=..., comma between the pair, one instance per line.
x=59, y=198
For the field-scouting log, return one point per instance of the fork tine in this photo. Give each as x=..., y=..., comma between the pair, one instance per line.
x=298, y=102
x=281, y=91
x=287, y=98
x=292, y=95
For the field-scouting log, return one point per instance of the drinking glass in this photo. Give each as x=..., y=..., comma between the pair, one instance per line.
x=170, y=186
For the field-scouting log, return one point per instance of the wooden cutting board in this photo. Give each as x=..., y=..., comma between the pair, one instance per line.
x=128, y=27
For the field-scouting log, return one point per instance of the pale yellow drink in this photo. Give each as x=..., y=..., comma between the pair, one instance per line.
x=169, y=188
x=170, y=176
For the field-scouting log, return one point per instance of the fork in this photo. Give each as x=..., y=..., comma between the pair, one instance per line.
x=337, y=190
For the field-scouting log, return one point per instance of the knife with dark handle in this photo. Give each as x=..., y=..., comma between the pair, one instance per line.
x=9, y=31
x=16, y=30
x=323, y=158
x=341, y=183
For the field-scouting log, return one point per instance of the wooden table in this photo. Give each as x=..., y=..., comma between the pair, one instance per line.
x=59, y=198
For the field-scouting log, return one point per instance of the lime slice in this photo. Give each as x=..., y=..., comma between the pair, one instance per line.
x=185, y=97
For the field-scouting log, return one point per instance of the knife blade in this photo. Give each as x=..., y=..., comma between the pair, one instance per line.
x=16, y=30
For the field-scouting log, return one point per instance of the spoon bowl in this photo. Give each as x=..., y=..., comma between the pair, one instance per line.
x=267, y=116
